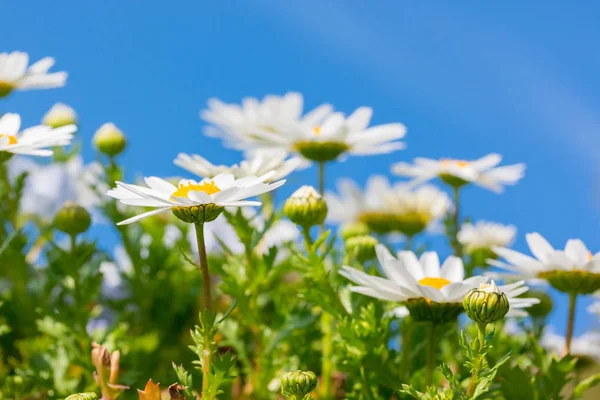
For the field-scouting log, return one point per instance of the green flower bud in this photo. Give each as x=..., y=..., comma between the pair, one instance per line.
x=306, y=207
x=486, y=304
x=60, y=115
x=353, y=229
x=83, y=396
x=362, y=247
x=321, y=151
x=198, y=214
x=72, y=219
x=110, y=140
x=298, y=383
x=541, y=309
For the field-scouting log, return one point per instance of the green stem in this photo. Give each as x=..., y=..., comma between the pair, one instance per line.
x=477, y=364
x=207, y=352
x=76, y=286
x=365, y=384
x=570, y=323
x=326, y=361
x=431, y=352
x=307, y=239
x=456, y=223
x=409, y=243
x=322, y=187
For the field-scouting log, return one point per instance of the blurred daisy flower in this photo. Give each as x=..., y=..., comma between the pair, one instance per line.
x=16, y=75
x=482, y=172
x=585, y=347
x=484, y=235
x=32, y=141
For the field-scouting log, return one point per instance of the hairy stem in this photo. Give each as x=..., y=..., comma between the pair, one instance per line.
x=456, y=223
x=207, y=352
x=431, y=351
x=570, y=323
x=477, y=363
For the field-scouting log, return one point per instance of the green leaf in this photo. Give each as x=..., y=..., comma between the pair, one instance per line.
x=586, y=384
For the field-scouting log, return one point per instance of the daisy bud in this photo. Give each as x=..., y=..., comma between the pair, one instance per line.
x=110, y=140
x=60, y=115
x=541, y=309
x=362, y=247
x=306, y=207
x=352, y=229
x=72, y=219
x=486, y=304
x=83, y=396
x=299, y=383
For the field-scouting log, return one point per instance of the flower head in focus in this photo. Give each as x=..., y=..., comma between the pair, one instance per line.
x=15, y=74
x=32, y=141
x=572, y=270
x=483, y=172
x=191, y=201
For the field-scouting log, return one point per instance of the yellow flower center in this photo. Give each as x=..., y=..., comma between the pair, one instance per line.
x=459, y=163
x=317, y=130
x=206, y=187
x=437, y=283
x=11, y=138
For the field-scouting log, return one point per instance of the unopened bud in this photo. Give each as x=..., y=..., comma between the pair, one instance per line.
x=352, y=229
x=306, y=207
x=541, y=309
x=83, y=396
x=362, y=247
x=72, y=219
x=60, y=115
x=486, y=304
x=110, y=140
x=299, y=383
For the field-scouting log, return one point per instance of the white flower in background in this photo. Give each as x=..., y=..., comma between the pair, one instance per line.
x=257, y=164
x=221, y=191
x=60, y=115
x=483, y=172
x=243, y=125
x=31, y=141
x=113, y=271
x=49, y=186
x=16, y=75
x=399, y=312
x=408, y=277
x=517, y=304
x=485, y=235
x=586, y=346
x=352, y=203
x=387, y=208
x=416, y=209
x=277, y=124
x=575, y=259
x=173, y=234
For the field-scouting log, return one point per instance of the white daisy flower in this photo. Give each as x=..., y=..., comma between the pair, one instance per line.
x=484, y=235
x=482, y=172
x=408, y=277
x=386, y=208
x=277, y=124
x=31, y=141
x=517, y=304
x=253, y=120
x=575, y=260
x=585, y=347
x=221, y=191
x=60, y=115
x=49, y=186
x=258, y=164
x=15, y=75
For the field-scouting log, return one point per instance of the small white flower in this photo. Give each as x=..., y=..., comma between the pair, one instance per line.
x=49, y=186
x=222, y=191
x=14, y=73
x=258, y=164
x=31, y=141
x=60, y=115
x=277, y=124
x=584, y=346
x=575, y=256
x=485, y=235
x=408, y=277
x=517, y=304
x=483, y=172
x=422, y=206
x=252, y=121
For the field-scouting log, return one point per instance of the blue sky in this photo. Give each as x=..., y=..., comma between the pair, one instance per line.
x=466, y=78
